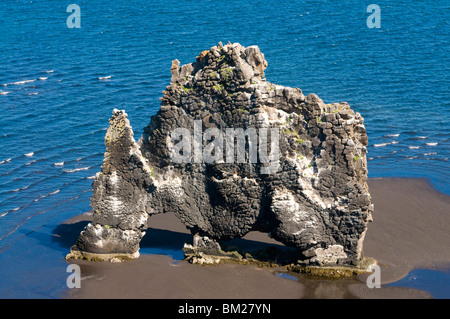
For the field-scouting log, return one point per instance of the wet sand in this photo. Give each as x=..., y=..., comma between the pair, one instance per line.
x=410, y=230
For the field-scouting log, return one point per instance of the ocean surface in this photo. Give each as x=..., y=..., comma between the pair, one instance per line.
x=59, y=85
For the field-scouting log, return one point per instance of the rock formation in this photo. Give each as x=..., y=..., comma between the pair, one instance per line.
x=315, y=198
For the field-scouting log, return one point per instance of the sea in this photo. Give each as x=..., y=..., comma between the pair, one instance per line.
x=59, y=84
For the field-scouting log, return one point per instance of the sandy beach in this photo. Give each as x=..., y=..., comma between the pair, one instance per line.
x=409, y=231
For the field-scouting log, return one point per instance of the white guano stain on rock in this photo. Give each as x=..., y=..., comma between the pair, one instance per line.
x=330, y=255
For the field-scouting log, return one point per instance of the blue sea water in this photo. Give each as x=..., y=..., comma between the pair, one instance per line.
x=425, y=279
x=59, y=85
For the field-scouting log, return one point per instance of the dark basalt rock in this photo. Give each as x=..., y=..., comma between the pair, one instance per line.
x=316, y=199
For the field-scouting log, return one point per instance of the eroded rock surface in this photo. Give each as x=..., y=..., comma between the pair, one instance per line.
x=316, y=199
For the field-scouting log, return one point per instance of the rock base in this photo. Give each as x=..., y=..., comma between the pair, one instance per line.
x=333, y=271
x=206, y=251
x=327, y=272
x=82, y=255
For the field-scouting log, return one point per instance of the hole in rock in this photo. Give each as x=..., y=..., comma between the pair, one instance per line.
x=165, y=235
x=260, y=246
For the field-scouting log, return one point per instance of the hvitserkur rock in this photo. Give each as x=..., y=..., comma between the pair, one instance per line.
x=316, y=199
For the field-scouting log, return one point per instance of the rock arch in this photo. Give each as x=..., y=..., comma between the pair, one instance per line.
x=317, y=200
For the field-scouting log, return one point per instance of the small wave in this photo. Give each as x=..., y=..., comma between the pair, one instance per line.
x=392, y=135
x=431, y=144
x=77, y=169
x=91, y=177
x=53, y=193
x=104, y=77
x=19, y=82
x=4, y=93
x=100, y=130
x=43, y=78
x=417, y=138
x=58, y=164
x=432, y=153
x=5, y=161
x=50, y=71
x=34, y=93
x=385, y=144
x=412, y=157
x=20, y=189
x=29, y=154
x=30, y=162
x=9, y=211
x=46, y=195
x=413, y=147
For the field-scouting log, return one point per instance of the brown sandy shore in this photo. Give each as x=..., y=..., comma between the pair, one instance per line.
x=410, y=230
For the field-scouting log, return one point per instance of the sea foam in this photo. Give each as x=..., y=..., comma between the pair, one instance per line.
x=385, y=144
x=22, y=82
x=77, y=169
x=5, y=161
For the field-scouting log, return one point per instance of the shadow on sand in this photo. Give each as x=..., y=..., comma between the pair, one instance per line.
x=168, y=242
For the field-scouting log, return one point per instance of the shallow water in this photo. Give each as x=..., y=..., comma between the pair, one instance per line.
x=436, y=282
x=58, y=87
